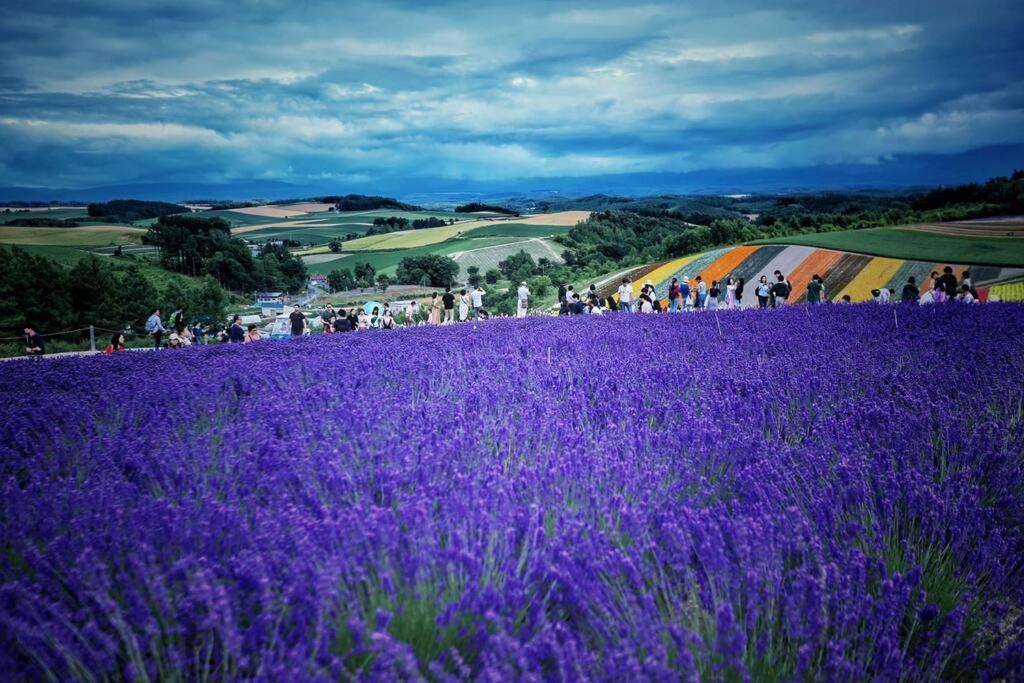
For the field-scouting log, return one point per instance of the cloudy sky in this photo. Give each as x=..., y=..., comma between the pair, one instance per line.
x=105, y=91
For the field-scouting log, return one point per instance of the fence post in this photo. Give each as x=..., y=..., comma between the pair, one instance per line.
x=92, y=338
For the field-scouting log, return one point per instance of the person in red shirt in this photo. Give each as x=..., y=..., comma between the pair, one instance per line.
x=116, y=344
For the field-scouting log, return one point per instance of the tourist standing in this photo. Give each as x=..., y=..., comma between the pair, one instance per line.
x=739, y=292
x=949, y=283
x=763, y=292
x=478, y=302
x=730, y=293
x=675, y=296
x=626, y=295
x=252, y=335
x=298, y=322
x=435, y=309
x=236, y=335
x=411, y=312
x=197, y=332
x=155, y=328
x=464, y=302
x=522, y=300
x=814, y=289
x=449, y=305
x=780, y=290
x=702, y=293
x=686, y=294
x=910, y=293
x=387, y=321
x=713, y=295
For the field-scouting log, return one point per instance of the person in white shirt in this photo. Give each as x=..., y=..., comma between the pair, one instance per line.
x=523, y=300
x=478, y=302
x=464, y=302
x=626, y=295
x=883, y=295
x=411, y=312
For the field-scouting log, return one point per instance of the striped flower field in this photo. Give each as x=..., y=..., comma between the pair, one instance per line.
x=813, y=493
x=844, y=273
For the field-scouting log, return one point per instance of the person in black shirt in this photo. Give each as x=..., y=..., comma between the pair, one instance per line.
x=910, y=292
x=298, y=322
x=949, y=283
x=34, y=344
x=236, y=334
x=449, y=305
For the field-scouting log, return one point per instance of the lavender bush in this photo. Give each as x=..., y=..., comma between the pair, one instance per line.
x=812, y=493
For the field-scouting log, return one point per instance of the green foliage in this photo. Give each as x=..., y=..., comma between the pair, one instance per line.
x=359, y=202
x=197, y=245
x=432, y=270
x=334, y=246
x=475, y=207
x=128, y=210
x=473, y=277
x=41, y=223
x=365, y=273
x=383, y=282
x=492, y=276
x=341, y=280
x=539, y=285
x=518, y=266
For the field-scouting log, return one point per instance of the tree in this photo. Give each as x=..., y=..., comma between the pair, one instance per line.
x=93, y=291
x=473, y=277
x=365, y=274
x=334, y=246
x=383, y=282
x=538, y=285
x=340, y=280
x=492, y=276
x=436, y=270
x=208, y=302
x=136, y=298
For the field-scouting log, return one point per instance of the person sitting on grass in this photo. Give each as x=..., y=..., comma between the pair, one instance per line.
x=116, y=344
x=34, y=344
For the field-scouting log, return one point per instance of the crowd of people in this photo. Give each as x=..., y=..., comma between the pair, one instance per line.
x=444, y=309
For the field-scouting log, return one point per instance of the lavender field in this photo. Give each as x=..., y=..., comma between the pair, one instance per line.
x=813, y=493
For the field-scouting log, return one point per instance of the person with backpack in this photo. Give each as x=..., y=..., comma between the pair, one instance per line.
x=155, y=328
x=675, y=296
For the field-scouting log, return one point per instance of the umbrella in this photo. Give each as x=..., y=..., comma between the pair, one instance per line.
x=370, y=305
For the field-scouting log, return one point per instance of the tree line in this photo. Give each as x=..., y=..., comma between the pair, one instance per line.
x=198, y=246
x=130, y=210
x=52, y=298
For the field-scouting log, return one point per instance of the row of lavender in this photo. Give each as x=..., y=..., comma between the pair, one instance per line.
x=828, y=492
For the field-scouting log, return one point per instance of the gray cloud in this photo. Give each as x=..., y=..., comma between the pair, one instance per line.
x=117, y=91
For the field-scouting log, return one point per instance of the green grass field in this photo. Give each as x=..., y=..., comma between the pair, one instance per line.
x=85, y=236
x=387, y=261
x=915, y=245
x=57, y=214
x=518, y=230
x=406, y=239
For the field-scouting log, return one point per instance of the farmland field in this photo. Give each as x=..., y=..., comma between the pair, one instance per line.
x=916, y=244
x=518, y=230
x=85, y=236
x=387, y=261
x=405, y=239
x=466, y=509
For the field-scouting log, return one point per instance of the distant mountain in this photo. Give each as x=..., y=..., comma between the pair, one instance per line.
x=910, y=171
